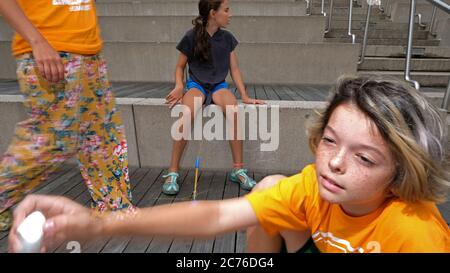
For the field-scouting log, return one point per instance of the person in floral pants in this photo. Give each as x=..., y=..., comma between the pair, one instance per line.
x=70, y=105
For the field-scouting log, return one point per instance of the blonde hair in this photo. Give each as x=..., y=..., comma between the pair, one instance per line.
x=411, y=126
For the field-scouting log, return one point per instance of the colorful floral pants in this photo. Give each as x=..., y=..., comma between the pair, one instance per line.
x=77, y=116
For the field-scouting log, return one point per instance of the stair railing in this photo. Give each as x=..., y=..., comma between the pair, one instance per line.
x=366, y=33
x=308, y=7
x=445, y=7
x=350, y=11
x=330, y=15
x=412, y=12
x=438, y=4
x=432, y=21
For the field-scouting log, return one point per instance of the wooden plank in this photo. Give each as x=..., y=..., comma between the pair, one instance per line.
x=205, y=189
x=306, y=92
x=98, y=245
x=204, y=183
x=271, y=95
x=251, y=91
x=186, y=194
x=81, y=195
x=57, y=187
x=226, y=243
x=146, y=90
x=60, y=171
x=322, y=93
x=162, y=244
x=260, y=92
x=154, y=196
x=140, y=244
x=241, y=235
x=117, y=245
x=161, y=92
x=293, y=94
x=281, y=93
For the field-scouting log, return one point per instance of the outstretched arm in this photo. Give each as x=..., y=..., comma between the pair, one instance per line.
x=237, y=78
x=67, y=220
x=47, y=59
x=193, y=219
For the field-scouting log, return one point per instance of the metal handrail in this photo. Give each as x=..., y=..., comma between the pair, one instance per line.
x=330, y=15
x=412, y=12
x=446, y=101
x=350, y=11
x=445, y=7
x=432, y=21
x=308, y=7
x=419, y=15
x=323, y=8
x=366, y=31
x=440, y=4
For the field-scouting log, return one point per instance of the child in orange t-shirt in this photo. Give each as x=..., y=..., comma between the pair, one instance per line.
x=380, y=168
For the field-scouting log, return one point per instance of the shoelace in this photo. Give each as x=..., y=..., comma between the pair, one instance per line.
x=173, y=180
x=247, y=179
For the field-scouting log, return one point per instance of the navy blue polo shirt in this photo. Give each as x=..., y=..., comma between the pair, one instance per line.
x=216, y=70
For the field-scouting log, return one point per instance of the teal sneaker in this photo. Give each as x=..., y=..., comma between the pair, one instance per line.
x=170, y=186
x=240, y=176
x=5, y=220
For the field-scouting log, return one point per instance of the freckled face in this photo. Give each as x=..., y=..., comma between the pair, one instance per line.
x=354, y=163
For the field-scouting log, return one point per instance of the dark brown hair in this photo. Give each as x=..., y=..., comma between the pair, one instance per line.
x=202, y=47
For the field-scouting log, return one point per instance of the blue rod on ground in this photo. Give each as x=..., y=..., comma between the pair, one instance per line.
x=197, y=166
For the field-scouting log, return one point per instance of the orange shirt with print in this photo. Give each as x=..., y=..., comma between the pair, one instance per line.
x=68, y=25
x=295, y=204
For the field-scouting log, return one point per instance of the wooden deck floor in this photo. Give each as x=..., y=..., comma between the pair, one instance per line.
x=160, y=90
x=146, y=188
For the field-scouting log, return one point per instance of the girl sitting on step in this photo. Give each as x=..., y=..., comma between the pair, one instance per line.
x=210, y=52
x=380, y=169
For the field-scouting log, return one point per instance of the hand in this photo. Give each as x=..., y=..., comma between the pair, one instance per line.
x=65, y=220
x=48, y=61
x=248, y=100
x=174, y=96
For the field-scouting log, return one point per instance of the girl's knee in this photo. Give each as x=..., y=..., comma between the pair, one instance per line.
x=268, y=182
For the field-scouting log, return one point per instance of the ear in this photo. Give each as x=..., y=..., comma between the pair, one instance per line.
x=212, y=13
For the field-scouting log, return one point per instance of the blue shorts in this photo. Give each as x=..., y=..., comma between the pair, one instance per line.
x=191, y=84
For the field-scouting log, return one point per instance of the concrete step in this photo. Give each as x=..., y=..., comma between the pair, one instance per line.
x=190, y=8
x=286, y=63
x=432, y=79
x=400, y=51
x=396, y=64
x=303, y=29
x=379, y=25
x=383, y=41
x=379, y=34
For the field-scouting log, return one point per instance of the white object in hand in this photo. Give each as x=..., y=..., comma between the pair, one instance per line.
x=30, y=232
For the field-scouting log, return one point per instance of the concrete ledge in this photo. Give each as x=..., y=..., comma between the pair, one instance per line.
x=12, y=111
x=260, y=63
x=148, y=124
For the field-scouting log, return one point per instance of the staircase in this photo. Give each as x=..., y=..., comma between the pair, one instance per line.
x=387, y=42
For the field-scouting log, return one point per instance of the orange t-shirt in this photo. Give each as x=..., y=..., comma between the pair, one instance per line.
x=68, y=25
x=295, y=204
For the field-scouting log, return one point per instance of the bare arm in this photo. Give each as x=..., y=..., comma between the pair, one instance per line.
x=177, y=93
x=196, y=219
x=237, y=78
x=47, y=59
